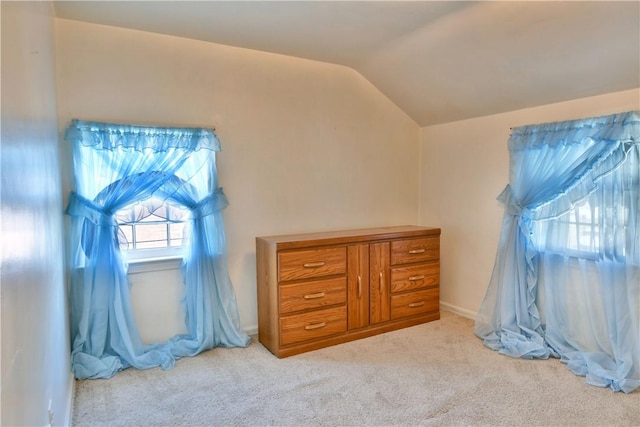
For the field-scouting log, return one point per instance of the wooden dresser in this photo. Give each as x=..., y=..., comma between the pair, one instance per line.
x=321, y=289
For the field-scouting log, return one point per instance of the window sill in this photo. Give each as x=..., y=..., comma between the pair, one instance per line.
x=145, y=265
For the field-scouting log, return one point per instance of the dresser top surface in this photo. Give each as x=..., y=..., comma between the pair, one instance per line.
x=292, y=241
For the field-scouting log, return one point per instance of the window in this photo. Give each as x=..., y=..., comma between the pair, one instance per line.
x=598, y=227
x=576, y=233
x=582, y=225
x=152, y=232
x=151, y=229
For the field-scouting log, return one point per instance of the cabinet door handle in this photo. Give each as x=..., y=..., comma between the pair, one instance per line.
x=313, y=264
x=314, y=296
x=415, y=278
x=380, y=283
x=416, y=251
x=359, y=286
x=416, y=304
x=315, y=326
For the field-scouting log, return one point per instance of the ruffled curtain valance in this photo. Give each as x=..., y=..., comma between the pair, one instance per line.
x=107, y=136
x=622, y=127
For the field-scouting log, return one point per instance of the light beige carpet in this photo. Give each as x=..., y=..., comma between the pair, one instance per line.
x=436, y=374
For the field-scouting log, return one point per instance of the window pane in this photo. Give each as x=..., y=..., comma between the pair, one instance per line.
x=573, y=236
x=153, y=231
x=176, y=231
x=151, y=236
x=125, y=237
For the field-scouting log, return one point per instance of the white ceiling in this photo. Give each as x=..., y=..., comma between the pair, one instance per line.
x=439, y=61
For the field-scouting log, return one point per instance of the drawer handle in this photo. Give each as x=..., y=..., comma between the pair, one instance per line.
x=416, y=304
x=314, y=296
x=416, y=251
x=416, y=278
x=315, y=326
x=381, y=283
x=313, y=264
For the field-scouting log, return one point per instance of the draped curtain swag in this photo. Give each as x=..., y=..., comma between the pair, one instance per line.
x=115, y=167
x=566, y=281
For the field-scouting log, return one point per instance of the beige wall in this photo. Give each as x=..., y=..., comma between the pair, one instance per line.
x=465, y=165
x=36, y=379
x=306, y=145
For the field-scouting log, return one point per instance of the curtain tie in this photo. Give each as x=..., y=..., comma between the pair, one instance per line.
x=512, y=205
x=210, y=204
x=514, y=208
x=80, y=206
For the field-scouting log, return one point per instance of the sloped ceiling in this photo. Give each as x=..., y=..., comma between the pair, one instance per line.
x=440, y=61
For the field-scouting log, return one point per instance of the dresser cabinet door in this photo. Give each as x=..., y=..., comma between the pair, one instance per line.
x=379, y=302
x=358, y=286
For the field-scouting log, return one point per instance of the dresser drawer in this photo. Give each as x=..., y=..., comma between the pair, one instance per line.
x=315, y=324
x=415, y=277
x=415, y=250
x=304, y=296
x=413, y=303
x=312, y=263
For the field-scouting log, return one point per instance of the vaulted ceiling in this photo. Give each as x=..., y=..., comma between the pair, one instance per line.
x=440, y=61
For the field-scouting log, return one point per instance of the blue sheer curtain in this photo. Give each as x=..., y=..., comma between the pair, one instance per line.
x=116, y=166
x=566, y=281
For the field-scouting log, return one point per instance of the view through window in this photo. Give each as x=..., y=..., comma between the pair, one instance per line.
x=145, y=227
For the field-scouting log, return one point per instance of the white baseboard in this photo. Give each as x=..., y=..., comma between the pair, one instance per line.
x=251, y=330
x=458, y=310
